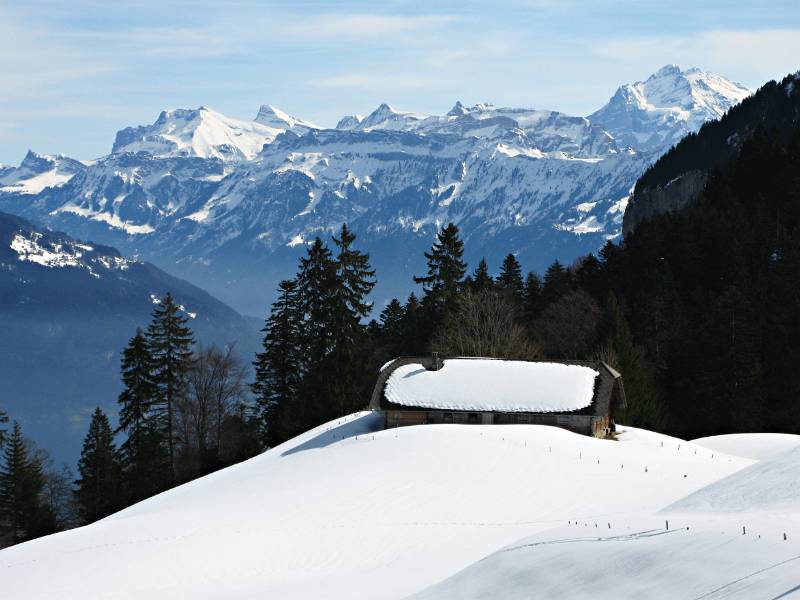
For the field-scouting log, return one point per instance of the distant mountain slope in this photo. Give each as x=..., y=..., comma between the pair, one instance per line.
x=680, y=174
x=231, y=203
x=67, y=309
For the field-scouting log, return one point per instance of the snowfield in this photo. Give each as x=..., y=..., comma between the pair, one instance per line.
x=442, y=511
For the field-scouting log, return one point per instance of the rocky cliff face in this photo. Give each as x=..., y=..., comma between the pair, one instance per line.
x=673, y=196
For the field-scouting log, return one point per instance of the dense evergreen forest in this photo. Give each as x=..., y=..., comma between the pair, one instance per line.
x=699, y=309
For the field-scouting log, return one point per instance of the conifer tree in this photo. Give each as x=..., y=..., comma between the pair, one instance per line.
x=279, y=366
x=391, y=329
x=316, y=286
x=413, y=336
x=510, y=278
x=556, y=283
x=481, y=280
x=391, y=320
x=170, y=340
x=98, y=490
x=446, y=269
x=354, y=281
x=316, y=292
x=22, y=514
x=143, y=455
x=532, y=302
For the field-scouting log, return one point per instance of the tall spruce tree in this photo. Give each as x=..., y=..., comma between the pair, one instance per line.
x=391, y=320
x=391, y=330
x=446, y=269
x=414, y=338
x=354, y=281
x=510, y=279
x=143, y=454
x=279, y=366
x=170, y=341
x=98, y=490
x=23, y=516
x=316, y=292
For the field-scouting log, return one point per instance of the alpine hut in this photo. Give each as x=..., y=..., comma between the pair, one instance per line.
x=582, y=396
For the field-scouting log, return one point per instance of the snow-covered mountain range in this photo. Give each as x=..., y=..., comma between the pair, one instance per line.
x=231, y=203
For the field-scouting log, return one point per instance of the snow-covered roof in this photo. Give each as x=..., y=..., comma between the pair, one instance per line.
x=493, y=385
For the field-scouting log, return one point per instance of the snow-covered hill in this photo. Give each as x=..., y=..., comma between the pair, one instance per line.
x=231, y=203
x=447, y=511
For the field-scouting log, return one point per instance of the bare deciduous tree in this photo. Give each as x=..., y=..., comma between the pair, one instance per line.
x=216, y=387
x=483, y=325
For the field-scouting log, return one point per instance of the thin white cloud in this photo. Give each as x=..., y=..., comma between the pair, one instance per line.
x=378, y=82
x=32, y=59
x=175, y=42
x=368, y=26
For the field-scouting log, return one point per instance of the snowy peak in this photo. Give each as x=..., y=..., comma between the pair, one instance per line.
x=667, y=71
x=693, y=89
x=277, y=119
x=657, y=112
x=386, y=117
x=714, y=93
x=349, y=122
x=37, y=163
x=39, y=171
x=206, y=133
x=457, y=110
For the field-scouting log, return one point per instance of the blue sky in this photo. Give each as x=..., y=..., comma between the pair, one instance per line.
x=73, y=73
